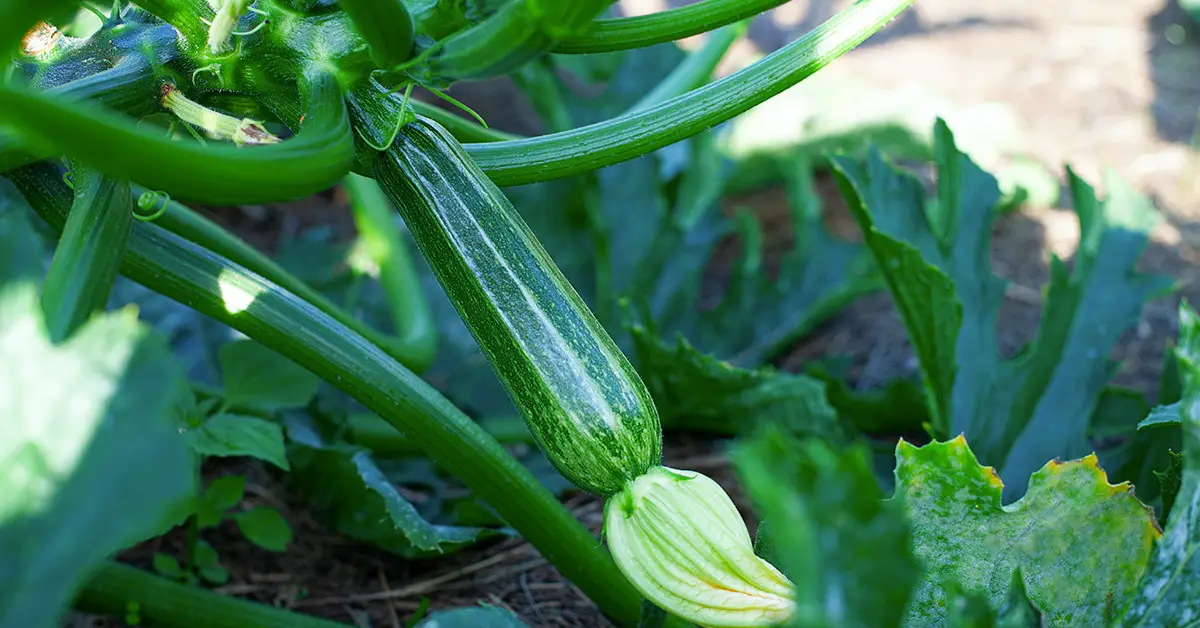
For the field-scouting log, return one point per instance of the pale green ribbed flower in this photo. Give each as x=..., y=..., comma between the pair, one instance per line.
x=680, y=540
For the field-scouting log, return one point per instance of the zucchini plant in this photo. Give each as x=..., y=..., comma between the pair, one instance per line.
x=273, y=100
x=109, y=133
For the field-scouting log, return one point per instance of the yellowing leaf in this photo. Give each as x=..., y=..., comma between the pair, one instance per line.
x=1080, y=542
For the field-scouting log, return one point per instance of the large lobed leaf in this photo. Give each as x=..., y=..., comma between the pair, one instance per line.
x=1080, y=542
x=1168, y=593
x=348, y=489
x=935, y=255
x=91, y=458
x=846, y=550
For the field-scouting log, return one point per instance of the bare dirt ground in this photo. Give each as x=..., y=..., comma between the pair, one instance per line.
x=1093, y=83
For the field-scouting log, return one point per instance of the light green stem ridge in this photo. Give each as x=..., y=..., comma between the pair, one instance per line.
x=85, y=263
x=624, y=33
x=634, y=134
x=119, y=590
x=379, y=227
x=265, y=312
x=191, y=225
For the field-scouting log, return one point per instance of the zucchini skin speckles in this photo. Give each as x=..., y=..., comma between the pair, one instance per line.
x=586, y=406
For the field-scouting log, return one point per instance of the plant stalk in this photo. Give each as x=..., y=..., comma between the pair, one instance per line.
x=120, y=590
x=625, y=33
x=85, y=263
x=635, y=134
x=191, y=225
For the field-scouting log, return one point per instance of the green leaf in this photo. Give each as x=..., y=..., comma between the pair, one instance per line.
x=91, y=459
x=699, y=392
x=256, y=377
x=935, y=255
x=215, y=575
x=972, y=610
x=265, y=527
x=1070, y=520
x=897, y=407
x=845, y=549
x=166, y=565
x=472, y=617
x=1169, y=481
x=1131, y=454
x=230, y=435
x=1167, y=594
x=352, y=495
x=221, y=495
x=203, y=555
x=1162, y=415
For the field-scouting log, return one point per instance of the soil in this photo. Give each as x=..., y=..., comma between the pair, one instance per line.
x=1094, y=84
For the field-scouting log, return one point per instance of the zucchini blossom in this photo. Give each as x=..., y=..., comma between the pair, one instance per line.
x=680, y=540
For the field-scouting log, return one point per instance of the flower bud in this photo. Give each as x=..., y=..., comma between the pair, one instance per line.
x=243, y=132
x=680, y=540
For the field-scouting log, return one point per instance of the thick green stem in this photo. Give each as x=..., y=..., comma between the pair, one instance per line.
x=379, y=227
x=85, y=263
x=185, y=16
x=127, y=87
x=386, y=26
x=634, y=134
x=376, y=109
x=320, y=154
x=119, y=590
x=279, y=320
x=497, y=45
x=190, y=225
x=381, y=438
x=624, y=33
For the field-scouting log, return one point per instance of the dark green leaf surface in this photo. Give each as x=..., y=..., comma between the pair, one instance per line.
x=345, y=486
x=1080, y=542
x=229, y=435
x=1131, y=454
x=84, y=422
x=1167, y=594
x=472, y=617
x=699, y=392
x=935, y=254
x=265, y=527
x=1162, y=415
x=846, y=550
x=255, y=377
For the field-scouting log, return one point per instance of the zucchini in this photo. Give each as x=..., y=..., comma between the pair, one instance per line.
x=587, y=408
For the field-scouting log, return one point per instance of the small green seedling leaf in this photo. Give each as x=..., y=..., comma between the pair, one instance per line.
x=221, y=495
x=167, y=566
x=256, y=377
x=472, y=617
x=935, y=255
x=91, y=458
x=348, y=490
x=1070, y=520
x=1162, y=415
x=229, y=435
x=1167, y=593
x=203, y=555
x=265, y=527
x=215, y=575
x=846, y=549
